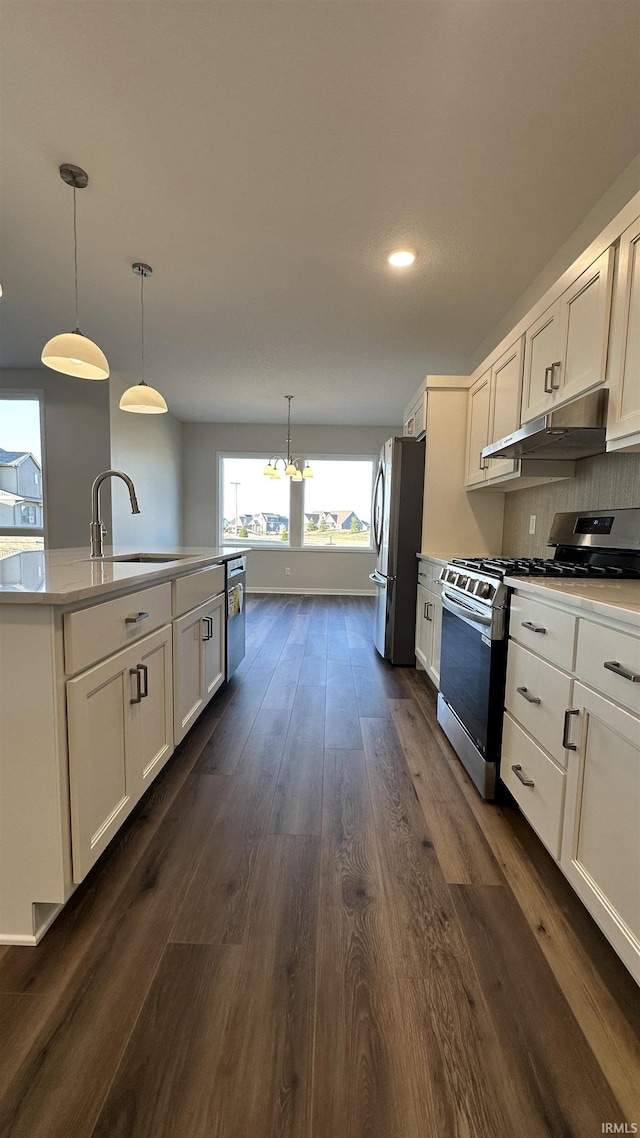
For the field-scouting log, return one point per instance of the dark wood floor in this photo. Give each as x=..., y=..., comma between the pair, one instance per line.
x=314, y=928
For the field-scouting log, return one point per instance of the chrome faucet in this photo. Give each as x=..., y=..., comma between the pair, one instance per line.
x=97, y=529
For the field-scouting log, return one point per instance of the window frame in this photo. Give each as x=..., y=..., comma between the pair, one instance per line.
x=32, y=395
x=296, y=507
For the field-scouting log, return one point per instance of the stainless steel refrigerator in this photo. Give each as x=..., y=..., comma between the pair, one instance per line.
x=397, y=533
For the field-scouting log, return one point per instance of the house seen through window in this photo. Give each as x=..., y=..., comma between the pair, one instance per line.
x=332, y=510
x=21, y=496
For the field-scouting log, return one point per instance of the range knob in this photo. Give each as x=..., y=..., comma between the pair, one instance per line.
x=462, y=582
x=484, y=589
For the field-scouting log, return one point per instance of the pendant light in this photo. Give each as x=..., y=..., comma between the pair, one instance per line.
x=71, y=352
x=142, y=399
x=296, y=468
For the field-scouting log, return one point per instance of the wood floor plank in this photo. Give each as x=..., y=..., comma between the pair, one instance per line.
x=166, y=1085
x=284, y=683
x=222, y=752
x=462, y=849
x=215, y=906
x=367, y=1081
x=61, y=1084
x=564, y=1081
x=264, y=1082
x=431, y=950
x=342, y=726
x=297, y=802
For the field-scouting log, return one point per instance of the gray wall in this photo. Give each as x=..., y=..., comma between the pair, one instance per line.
x=596, y=220
x=76, y=425
x=149, y=449
x=607, y=481
x=313, y=570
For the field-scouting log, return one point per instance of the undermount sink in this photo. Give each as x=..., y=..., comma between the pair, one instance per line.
x=144, y=558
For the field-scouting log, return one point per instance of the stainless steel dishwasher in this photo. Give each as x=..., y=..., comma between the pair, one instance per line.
x=236, y=582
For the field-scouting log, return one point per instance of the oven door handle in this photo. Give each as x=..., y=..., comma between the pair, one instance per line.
x=465, y=611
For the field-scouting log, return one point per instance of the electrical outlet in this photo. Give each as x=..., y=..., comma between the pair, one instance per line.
x=287, y=572
x=532, y=523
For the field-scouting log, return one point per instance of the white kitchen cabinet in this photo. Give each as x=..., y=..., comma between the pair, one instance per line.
x=571, y=752
x=601, y=836
x=504, y=409
x=565, y=351
x=623, y=422
x=415, y=417
x=198, y=646
x=120, y=734
x=478, y=429
x=429, y=622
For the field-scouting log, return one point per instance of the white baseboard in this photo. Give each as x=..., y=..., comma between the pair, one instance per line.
x=311, y=592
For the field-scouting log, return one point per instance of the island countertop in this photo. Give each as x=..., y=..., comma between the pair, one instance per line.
x=65, y=576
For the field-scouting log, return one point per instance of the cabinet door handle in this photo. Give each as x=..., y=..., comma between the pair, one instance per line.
x=484, y=462
x=615, y=666
x=427, y=606
x=517, y=770
x=208, y=624
x=136, y=619
x=143, y=671
x=527, y=695
x=565, y=731
x=555, y=368
x=532, y=627
x=138, y=696
x=548, y=372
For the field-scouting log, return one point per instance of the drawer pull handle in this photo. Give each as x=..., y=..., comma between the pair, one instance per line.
x=208, y=624
x=136, y=619
x=565, y=730
x=527, y=695
x=517, y=770
x=532, y=627
x=144, y=672
x=615, y=666
x=138, y=696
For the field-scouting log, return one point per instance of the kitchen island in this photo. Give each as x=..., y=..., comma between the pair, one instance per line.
x=104, y=665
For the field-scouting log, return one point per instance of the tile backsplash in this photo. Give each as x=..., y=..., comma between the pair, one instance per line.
x=606, y=481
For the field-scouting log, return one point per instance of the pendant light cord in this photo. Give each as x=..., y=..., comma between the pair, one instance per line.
x=75, y=255
x=289, y=397
x=142, y=324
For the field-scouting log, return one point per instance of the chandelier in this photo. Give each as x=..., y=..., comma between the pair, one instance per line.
x=296, y=468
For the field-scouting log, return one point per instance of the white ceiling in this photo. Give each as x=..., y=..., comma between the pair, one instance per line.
x=264, y=157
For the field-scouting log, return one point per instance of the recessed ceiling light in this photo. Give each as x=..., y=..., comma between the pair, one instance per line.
x=401, y=258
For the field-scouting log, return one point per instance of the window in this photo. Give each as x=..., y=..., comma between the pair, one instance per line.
x=254, y=509
x=337, y=504
x=21, y=501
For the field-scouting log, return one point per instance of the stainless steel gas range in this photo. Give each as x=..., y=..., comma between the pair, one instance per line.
x=475, y=619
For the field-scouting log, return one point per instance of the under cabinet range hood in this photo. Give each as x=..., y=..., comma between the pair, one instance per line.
x=571, y=432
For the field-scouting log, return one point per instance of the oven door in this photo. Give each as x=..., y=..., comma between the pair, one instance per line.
x=467, y=669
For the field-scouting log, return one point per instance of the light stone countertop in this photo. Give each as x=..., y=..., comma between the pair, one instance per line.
x=619, y=600
x=64, y=576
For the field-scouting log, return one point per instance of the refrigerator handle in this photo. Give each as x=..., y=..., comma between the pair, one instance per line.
x=378, y=516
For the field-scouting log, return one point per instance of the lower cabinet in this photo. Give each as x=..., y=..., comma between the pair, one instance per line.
x=198, y=648
x=120, y=734
x=601, y=836
x=571, y=758
x=428, y=632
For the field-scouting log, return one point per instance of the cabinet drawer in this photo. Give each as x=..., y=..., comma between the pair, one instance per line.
x=97, y=632
x=537, y=695
x=196, y=588
x=545, y=630
x=599, y=646
x=543, y=803
x=428, y=574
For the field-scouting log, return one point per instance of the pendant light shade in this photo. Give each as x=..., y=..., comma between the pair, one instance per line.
x=143, y=399
x=72, y=353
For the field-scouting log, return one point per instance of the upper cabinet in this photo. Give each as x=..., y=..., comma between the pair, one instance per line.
x=415, y=417
x=494, y=411
x=623, y=425
x=566, y=347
